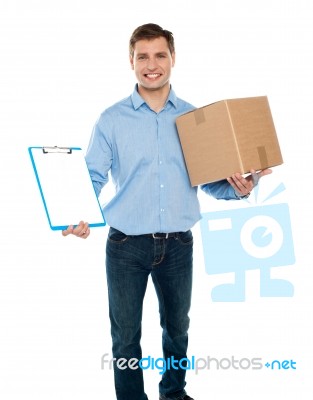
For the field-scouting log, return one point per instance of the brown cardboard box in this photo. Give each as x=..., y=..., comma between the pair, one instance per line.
x=229, y=136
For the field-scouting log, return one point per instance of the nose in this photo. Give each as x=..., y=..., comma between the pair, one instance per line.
x=151, y=63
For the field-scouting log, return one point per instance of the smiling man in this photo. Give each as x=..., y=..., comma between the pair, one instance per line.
x=152, y=61
x=151, y=214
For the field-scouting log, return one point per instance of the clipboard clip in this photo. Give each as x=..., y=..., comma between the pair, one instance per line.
x=56, y=149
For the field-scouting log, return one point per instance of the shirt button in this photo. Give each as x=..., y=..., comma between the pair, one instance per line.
x=160, y=162
x=162, y=210
x=162, y=186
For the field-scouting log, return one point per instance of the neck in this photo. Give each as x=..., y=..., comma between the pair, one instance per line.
x=155, y=98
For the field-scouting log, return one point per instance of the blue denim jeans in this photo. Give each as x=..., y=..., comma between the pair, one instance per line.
x=129, y=262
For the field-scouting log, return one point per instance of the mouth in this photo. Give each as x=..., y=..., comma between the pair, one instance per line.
x=152, y=76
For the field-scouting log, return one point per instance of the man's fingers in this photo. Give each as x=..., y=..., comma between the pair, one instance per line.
x=242, y=184
x=68, y=231
x=82, y=230
x=85, y=233
x=264, y=172
x=255, y=176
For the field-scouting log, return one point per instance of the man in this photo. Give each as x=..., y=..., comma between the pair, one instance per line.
x=151, y=213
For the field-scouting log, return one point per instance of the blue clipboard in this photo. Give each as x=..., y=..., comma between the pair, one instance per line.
x=65, y=187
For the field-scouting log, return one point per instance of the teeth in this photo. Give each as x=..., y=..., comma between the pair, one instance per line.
x=152, y=75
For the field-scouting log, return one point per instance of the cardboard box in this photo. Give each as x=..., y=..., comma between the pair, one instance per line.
x=229, y=136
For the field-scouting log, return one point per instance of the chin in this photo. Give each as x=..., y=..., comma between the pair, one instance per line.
x=154, y=85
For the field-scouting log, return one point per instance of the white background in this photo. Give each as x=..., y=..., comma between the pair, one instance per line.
x=62, y=63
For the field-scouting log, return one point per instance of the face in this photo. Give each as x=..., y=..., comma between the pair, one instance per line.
x=152, y=62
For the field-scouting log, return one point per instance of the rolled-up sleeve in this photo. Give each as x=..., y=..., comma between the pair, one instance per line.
x=99, y=156
x=220, y=190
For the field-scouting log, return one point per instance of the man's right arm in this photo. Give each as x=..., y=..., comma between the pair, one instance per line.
x=99, y=161
x=99, y=155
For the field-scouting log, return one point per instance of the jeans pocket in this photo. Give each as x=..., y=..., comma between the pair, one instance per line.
x=116, y=236
x=185, y=238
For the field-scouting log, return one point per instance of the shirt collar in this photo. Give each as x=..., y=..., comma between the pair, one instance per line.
x=138, y=101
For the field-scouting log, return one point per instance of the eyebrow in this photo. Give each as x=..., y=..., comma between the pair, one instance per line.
x=159, y=53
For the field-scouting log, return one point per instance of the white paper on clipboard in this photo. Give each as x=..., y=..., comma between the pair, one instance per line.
x=65, y=186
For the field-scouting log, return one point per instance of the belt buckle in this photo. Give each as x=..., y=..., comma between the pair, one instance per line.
x=160, y=237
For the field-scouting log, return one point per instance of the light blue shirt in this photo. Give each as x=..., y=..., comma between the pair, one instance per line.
x=142, y=150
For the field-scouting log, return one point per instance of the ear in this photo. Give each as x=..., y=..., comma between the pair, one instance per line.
x=173, y=59
x=131, y=60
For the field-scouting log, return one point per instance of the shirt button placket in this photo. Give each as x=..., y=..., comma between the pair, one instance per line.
x=161, y=185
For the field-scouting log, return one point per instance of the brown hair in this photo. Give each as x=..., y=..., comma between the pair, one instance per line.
x=149, y=32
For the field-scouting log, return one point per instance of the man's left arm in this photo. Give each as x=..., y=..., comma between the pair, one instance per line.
x=235, y=187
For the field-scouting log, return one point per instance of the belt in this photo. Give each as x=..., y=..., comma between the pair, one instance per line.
x=161, y=235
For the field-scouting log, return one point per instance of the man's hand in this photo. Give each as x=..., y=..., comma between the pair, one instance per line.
x=82, y=230
x=243, y=186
